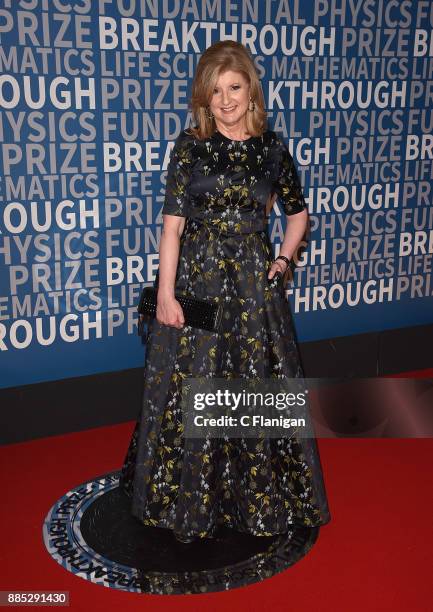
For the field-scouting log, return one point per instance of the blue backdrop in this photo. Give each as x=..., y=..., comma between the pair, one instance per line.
x=92, y=96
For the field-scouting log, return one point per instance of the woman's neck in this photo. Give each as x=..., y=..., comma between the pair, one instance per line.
x=234, y=133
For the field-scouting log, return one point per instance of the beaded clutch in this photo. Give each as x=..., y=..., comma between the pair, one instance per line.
x=198, y=313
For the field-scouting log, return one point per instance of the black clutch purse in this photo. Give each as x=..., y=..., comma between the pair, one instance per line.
x=198, y=313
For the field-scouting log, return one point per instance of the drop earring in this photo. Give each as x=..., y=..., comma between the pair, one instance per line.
x=206, y=112
x=253, y=105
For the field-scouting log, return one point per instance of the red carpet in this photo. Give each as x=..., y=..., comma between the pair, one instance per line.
x=376, y=554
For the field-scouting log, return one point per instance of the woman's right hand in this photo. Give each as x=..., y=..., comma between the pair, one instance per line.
x=169, y=311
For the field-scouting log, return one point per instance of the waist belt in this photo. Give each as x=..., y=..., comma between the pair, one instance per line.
x=230, y=225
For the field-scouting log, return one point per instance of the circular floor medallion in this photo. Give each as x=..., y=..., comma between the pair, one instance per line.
x=91, y=533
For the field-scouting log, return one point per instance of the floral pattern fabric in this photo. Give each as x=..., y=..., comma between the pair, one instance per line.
x=191, y=486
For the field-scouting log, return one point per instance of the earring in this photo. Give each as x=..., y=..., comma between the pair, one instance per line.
x=253, y=107
x=209, y=116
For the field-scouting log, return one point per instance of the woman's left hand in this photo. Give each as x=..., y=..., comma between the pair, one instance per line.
x=277, y=266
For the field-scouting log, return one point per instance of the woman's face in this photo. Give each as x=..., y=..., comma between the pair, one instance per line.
x=230, y=99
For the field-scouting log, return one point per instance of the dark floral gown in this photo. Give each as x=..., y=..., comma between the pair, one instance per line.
x=192, y=486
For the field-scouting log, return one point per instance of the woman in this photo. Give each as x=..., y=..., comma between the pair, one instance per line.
x=214, y=245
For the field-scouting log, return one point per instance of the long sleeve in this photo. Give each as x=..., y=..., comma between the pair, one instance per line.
x=178, y=177
x=286, y=184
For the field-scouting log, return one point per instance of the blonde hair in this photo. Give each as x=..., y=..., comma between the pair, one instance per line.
x=218, y=58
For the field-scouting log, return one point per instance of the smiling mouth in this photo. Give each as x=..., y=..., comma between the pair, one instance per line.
x=228, y=109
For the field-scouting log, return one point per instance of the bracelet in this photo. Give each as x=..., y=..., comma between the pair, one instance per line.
x=284, y=258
